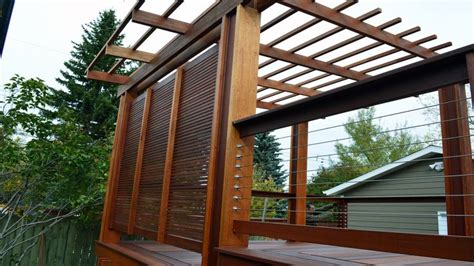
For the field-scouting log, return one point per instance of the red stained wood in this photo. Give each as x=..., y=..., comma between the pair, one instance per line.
x=139, y=161
x=169, y=156
x=298, y=174
x=457, y=154
x=106, y=77
x=448, y=247
x=153, y=20
x=353, y=24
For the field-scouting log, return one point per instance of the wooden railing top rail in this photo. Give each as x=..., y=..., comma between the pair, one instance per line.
x=411, y=80
x=354, y=199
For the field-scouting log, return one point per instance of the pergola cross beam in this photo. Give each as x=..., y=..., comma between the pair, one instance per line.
x=268, y=83
x=129, y=53
x=160, y=22
x=348, y=22
x=309, y=62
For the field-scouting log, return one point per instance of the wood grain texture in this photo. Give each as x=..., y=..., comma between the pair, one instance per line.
x=457, y=160
x=123, y=196
x=470, y=73
x=106, y=234
x=139, y=161
x=149, y=199
x=169, y=156
x=106, y=77
x=267, y=105
x=129, y=53
x=298, y=173
x=268, y=83
x=190, y=168
x=309, y=62
x=116, y=33
x=148, y=74
x=121, y=256
x=157, y=21
x=243, y=84
x=448, y=247
x=348, y=22
x=215, y=140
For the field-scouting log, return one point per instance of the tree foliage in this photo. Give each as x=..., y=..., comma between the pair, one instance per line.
x=264, y=207
x=91, y=104
x=55, y=161
x=267, y=159
x=371, y=147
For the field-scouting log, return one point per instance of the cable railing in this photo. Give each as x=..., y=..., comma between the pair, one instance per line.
x=397, y=179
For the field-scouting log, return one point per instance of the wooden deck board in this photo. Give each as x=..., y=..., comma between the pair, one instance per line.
x=300, y=253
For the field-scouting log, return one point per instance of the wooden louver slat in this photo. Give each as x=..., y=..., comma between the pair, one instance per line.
x=127, y=167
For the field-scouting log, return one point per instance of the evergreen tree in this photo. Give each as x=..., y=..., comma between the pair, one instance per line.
x=371, y=147
x=266, y=158
x=91, y=104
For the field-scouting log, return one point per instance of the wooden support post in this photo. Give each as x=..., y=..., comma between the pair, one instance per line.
x=215, y=140
x=169, y=156
x=470, y=73
x=298, y=172
x=138, y=165
x=238, y=78
x=457, y=154
x=108, y=235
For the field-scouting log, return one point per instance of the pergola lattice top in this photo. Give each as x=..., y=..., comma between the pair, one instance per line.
x=297, y=60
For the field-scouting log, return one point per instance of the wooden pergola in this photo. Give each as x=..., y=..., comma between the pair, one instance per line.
x=187, y=117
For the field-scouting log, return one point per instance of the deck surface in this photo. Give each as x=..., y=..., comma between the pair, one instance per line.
x=301, y=253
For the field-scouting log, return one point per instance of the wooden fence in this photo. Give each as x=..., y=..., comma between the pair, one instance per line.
x=66, y=243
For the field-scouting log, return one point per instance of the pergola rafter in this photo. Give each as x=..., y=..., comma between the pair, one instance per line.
x=283, y=79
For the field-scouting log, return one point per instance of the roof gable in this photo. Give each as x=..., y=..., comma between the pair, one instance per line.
x=384, y=170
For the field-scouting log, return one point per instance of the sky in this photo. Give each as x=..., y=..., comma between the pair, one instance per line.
x=41, y=33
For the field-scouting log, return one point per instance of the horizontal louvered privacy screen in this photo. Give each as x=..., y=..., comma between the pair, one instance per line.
x=127, y=167
x=187, y=199
x=139, y=189
x=154, y=156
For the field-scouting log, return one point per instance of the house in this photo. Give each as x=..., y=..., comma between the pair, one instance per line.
x=404, y=196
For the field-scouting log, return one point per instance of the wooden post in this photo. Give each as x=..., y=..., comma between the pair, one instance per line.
x=169, y=156
x=138, y=164
x=298, y=173
x=457, y=154
x=470, y=72
x=238, y=67
x=215, y=140
x=108, y=235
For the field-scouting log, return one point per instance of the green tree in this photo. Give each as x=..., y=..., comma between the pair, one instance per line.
x=371, y=146
x=54, y=161
x=91, y=104
x=264, y=207
x=267, y=159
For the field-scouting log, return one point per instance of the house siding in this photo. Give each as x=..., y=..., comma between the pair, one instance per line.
x=397, y=217
x=415, y=180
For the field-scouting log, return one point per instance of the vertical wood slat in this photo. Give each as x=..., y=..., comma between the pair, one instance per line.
x=169, y=156
x=241, y=103
x=138, y=166
x=215, y=139
x=106, y=234
x=457, y=154
x=470, y=72
x=298, y=173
